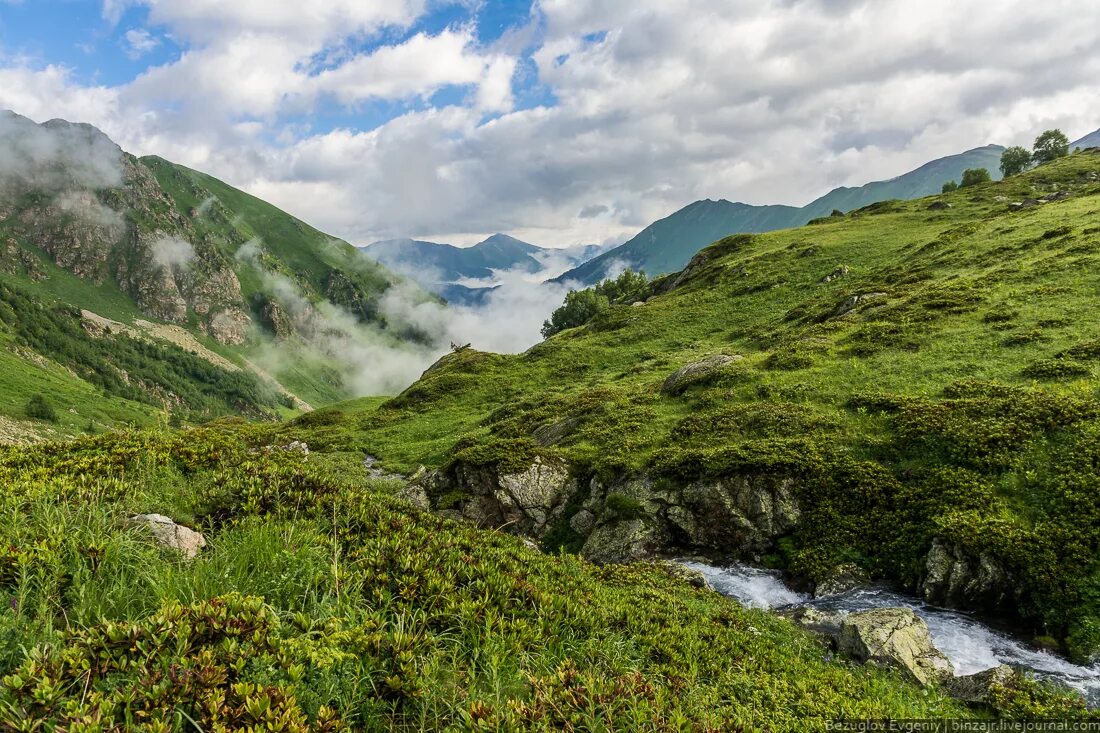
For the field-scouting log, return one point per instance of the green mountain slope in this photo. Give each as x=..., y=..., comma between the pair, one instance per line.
x=667, y=245
x=911, y=388
x=99, y=247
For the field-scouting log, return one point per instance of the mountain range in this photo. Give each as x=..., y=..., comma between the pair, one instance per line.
x=667, y=245
x=454, y=272
x=159, y=285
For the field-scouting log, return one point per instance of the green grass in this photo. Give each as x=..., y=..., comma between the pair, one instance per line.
x=321, y=603
x=940, y=401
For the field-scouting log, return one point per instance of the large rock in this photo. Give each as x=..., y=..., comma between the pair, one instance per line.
x=894, y=637
x=741, y=514
x=526, y=502
x=842, y=579
x=625, y=540
x=691, y=576
x=827, y=623
x=978, y=688
x=960, y=579
x=173, y=536
x=685, y=376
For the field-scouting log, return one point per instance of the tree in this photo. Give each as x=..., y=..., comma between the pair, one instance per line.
x=581, y=306
x=1014, y=161
x=974, y=176
x=39, y=408
x=949, y=187
x=1051, y=145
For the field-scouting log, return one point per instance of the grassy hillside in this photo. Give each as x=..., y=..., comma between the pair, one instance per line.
x=667, y=245
x=917, y=370
x=321, y=603
x=198, y=299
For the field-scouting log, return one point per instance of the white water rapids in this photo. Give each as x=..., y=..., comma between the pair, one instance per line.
x=969, y=644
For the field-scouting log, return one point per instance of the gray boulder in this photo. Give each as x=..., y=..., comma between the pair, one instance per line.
x=961, y=579
x=743, y=513
x=627, y=540
x=842, y=579
x=553, y=433
x=525, y=502
x=894, y=637
x=977, y=688
x=820, y=622
x=415, y=494
x=683, y=377
x=170, y=535
x=691, y=576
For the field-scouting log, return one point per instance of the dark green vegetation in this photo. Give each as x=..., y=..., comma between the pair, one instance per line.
x=667, y=245
x=581, y=306
x=321, y=603
x=918, y=370
x=1049, y=146
x=155, y=373
x=974, y=177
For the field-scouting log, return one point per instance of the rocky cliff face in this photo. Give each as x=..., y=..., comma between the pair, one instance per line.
x=630, y=518
x=99, y=213
x=179, y=243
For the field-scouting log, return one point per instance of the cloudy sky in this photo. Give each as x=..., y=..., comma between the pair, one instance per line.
x=558, y=121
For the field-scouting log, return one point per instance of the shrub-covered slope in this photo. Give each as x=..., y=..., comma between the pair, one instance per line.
x=919, y=379
x=321, y=603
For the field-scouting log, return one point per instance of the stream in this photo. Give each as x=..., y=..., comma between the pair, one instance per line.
x=969, y=644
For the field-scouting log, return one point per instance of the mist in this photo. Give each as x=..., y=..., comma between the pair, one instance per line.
x=56, y=156
x=377, y=361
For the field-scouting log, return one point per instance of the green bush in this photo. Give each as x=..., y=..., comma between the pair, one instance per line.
x=581, y=306
x=39, y=408
x=974, y=177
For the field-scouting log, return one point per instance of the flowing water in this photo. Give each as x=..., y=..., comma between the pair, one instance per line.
x=969, y=644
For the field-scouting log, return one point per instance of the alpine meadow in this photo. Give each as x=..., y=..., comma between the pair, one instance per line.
x=706, y=458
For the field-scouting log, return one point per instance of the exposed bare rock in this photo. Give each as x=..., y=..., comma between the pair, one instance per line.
x=173, y=536
x=894, y=637
x=744, y=514
x=842, y=579
x=961, y=579
x=625, y=540
x=977, y=688
x=686, y=375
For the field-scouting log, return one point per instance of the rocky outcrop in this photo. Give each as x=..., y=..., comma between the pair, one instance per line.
x=553, y=433
x=522, y=502
x=743, y=513
x=626, y=519
x=961, y=579
x=842, y=579
x=170, y=535
x=687, y=375
x=826, y=623
x=978, y=688
x=691, y=576
x=894, y=637
x=624, y=540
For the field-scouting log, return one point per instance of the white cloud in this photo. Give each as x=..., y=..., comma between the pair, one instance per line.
x=658, y=103
x=139, y=42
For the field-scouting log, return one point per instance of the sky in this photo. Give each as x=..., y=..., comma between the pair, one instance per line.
x=557, y=121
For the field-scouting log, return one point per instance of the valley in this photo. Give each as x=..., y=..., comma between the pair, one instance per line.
x=893, y=407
